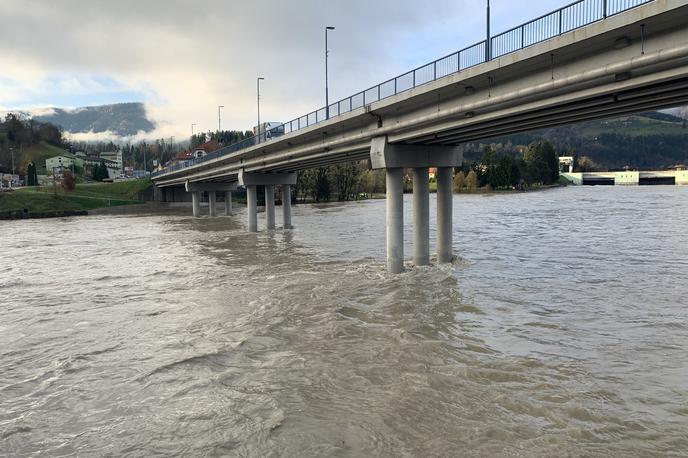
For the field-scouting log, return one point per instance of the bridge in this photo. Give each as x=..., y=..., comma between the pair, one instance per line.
x=590, y=59
x=630, y=177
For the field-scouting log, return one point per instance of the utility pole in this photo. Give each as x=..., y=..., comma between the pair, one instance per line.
x=327, y=95
x=219, y=119
x=192, y=130
x=258, y=80
x=488, y=42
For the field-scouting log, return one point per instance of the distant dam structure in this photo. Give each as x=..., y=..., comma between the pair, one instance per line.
x=628, y=178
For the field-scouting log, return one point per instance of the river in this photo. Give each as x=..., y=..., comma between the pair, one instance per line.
x=561, y=330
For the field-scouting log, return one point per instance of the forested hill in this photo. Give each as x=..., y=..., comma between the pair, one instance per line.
x=646, y=141
x=122, y=119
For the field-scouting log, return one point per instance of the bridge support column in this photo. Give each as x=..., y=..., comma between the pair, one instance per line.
x=269, y=180
x=212, y=203
x=421, y=217
x=396, y=157
x=228, y=203
x=196, y=203
x=286, y=206
x=196, y=188
x=395, y=220
x=270, y=206
x=252, y=208
x=444, y=214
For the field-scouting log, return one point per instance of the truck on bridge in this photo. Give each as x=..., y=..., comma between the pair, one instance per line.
x=267, y=131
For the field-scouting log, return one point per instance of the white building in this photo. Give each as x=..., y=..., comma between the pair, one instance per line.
x=114, y=156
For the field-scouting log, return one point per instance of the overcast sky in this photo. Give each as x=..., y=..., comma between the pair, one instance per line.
x=183, y=58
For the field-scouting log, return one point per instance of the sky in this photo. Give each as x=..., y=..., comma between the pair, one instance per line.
x=183, y=58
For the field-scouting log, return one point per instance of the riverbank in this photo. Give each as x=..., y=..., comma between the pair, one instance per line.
x=46, y=202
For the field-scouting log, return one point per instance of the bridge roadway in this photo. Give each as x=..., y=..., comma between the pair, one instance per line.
x=626, y=63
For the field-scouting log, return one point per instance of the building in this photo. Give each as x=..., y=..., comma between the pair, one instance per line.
x=114, y=156
x=205, y=149
x=566, y=164
x=63, y=161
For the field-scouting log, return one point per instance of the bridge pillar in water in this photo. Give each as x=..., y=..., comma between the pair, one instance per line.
x=196, y=203
x=228, y=203
x=286, y=206
x=395, y=219
x=270, y=180
x=270, y=206
x=395, y=158
x=212, y=203
x=445, y=202
x=421, y=216
x=252, y=208
x=196, y=188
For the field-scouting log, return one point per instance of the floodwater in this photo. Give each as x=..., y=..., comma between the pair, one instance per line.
x=561, y=330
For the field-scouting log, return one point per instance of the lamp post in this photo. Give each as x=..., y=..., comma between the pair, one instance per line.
x=488, y=41
x=219, y=118
x=258, y=80
x=327, y=95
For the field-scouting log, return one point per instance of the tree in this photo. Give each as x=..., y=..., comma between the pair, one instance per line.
x=100, y=172
x=542, y=164
x=68, y=181
x=345, y=178
x=585, y=164
x=31, y=175
x=472, y=180
x=322, y=185
x=459, y=181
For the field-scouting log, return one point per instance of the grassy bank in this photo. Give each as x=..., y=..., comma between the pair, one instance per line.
x=47, y=200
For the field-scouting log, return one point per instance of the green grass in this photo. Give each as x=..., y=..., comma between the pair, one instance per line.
x=39, y=153
x=84, y=197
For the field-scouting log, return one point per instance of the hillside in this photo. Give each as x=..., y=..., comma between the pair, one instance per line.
x=38, y=153
x=644, y=141
x=122, y=119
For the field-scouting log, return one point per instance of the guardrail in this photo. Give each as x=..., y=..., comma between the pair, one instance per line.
x=563, y=20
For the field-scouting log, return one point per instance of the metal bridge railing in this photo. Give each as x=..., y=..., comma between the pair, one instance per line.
x=563, y=20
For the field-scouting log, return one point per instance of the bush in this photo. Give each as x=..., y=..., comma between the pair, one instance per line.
x=459, y=181
x=68, y=181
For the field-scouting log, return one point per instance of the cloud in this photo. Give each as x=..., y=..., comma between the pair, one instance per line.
x=183, y=58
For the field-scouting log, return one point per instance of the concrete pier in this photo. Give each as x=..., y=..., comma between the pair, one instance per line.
x=228, y=203
x=421, y=216
x=197, y=188
x=212, y=203
x=252, y=179
x=270, y=206
x=196, y=203
x=395, y=220
x=286, y=206
x=252, y=208
x=444, y=214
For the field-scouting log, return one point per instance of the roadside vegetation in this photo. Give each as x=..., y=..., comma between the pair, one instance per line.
x=84, y=197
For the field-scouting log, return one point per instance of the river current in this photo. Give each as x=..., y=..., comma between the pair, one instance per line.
x=561, y=330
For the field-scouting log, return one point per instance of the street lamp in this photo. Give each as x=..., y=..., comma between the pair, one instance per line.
x=258, y=80
x=219, y=119
x=327, y=97
x=488, y=42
